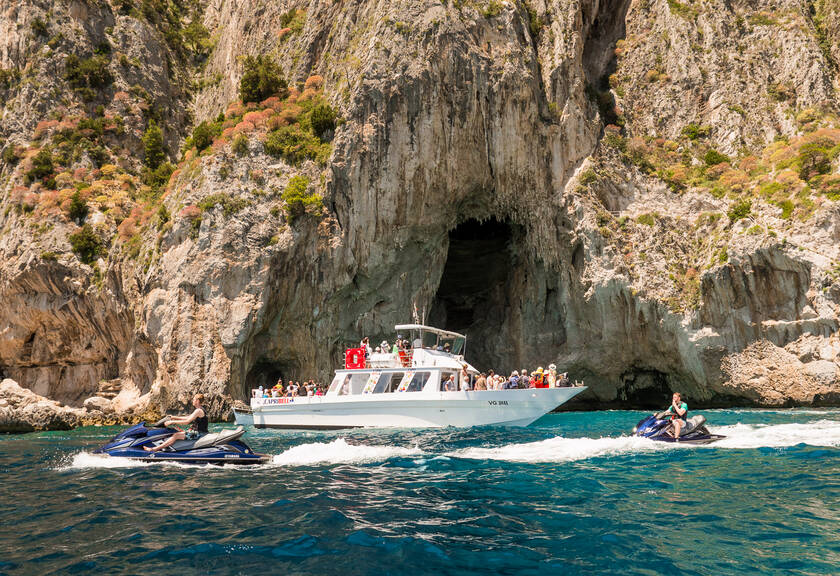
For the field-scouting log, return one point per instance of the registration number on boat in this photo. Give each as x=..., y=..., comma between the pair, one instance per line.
x=497, y=402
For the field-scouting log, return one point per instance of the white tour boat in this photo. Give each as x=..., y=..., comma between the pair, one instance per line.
x=406, y=390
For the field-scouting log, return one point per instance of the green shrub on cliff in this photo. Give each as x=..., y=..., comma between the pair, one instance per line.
x=202, y=136
x=322, y=119
x=815, y=158
x=78, y=209
x=261, y=78
x=230, y=205
x=297, y=198
x=240, y=145
x=86, y=244
x=87, y=75
x=713, y=157
x=42, y=166
x=153, y=146
x=296, y=145
x=740, y=210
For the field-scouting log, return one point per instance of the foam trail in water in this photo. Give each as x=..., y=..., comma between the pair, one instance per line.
x=817, y=433
x=339, y=451
x=88, y=460
x=561, y=449
x=84, y=460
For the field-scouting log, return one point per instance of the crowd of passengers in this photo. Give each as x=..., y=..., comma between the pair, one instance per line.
x=539, y=378
x=291, y=390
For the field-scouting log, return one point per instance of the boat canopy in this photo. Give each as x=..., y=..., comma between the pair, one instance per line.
x=429, y=337
x=433, y=330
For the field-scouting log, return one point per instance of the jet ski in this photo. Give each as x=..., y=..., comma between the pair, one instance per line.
x=223, y=447
x=658, y=427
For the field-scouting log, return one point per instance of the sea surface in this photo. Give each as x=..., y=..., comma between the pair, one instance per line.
x=571, y=494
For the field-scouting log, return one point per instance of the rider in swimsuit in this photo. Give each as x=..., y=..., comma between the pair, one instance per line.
x=197, y=421
x=678, y=410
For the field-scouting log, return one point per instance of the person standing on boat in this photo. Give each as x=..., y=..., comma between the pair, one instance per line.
x=465, y=379
x=551, y=376
x=678, y=411
x=198, y=425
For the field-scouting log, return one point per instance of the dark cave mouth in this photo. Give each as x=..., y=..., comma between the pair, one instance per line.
x=265, y=373
x=473, y=295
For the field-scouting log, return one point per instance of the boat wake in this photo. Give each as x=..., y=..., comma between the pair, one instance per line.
x=340, y=452
x=87, y=460
x=561, y=449
x=817, y=433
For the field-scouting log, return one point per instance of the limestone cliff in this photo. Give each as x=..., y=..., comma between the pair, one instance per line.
x=643, y=192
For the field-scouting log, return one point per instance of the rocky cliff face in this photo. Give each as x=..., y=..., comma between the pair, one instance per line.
x=642, y=192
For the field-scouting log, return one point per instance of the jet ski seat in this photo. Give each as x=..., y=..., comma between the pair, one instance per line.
x=209, y=439
x=693, y=423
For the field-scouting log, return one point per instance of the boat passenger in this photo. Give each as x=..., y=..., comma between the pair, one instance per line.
x=551, y=376
x=678, y=411
x=481, y=382
x=465, y=379
x=397, y=345
x=197, y=421
x=514, y=379
x=384, y=346
x=450, y=385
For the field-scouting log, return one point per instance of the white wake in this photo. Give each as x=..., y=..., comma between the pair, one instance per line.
x=561, y=449
x=85, y=460
x=340, y=452
x=817, y=433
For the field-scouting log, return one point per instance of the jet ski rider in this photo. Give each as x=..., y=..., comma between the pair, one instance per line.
x=678, y=411
x=197, y=421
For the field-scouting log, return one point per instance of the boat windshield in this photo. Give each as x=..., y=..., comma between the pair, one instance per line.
x=431, y=341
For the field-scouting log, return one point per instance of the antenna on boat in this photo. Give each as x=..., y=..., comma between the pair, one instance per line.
x=415, y=314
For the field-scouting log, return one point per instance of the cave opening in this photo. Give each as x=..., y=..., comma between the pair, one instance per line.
x=475, y=290
x=265, y=373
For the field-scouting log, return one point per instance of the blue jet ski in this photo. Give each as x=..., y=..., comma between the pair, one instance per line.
x=223, y=447
x=658, y=427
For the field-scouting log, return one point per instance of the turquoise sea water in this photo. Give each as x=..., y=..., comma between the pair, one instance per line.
x=573, y=494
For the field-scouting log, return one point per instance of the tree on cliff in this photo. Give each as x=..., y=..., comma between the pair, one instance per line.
x=153, y=146
x=261, y=79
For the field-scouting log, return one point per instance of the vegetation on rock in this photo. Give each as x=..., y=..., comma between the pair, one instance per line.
x=298, y=199
x=86, y=244
x=261, y=78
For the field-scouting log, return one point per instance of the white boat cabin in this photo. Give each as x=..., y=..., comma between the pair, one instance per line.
x=434, y=355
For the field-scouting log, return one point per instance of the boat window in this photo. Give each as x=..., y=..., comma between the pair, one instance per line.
x=418, y=380
x=371, y=382
x=336, y=383
x=430, y=340
x=388, y=382
x=357, y=382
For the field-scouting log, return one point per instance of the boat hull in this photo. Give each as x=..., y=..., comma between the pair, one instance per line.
x=518, y=407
